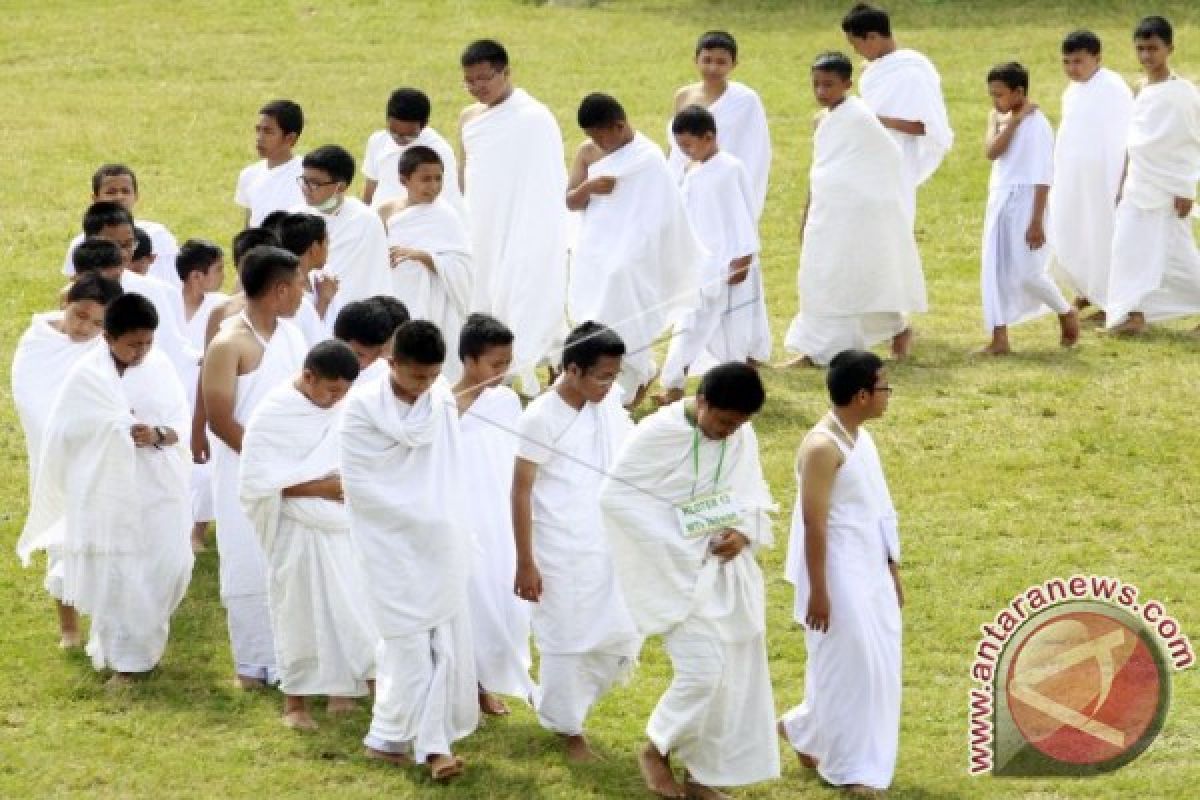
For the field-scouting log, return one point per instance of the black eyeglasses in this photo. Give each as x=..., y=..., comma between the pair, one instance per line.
x=875, y=389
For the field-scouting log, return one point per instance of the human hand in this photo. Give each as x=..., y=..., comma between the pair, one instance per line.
x=739, y=270
x=398, y=254
x=728, y=544
x=334, y=490
x=1035, y=235
x=200, y=453
x=604, y=184
x=816, y=618
x=528, y=583
x=325, y=286
x=143, y=435
x=1183, y=206
x=1026, y=110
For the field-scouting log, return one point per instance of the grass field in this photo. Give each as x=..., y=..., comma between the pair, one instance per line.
x=1005, y=473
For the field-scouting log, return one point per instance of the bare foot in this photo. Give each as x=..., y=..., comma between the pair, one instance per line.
x=578, y=749
x=444, y=767
x=1081, y=303
x=341, y=705
x=1133, y=325
x=656, y=772
x=993, y=350
x=398, y=759
x=795, y=363
x=1069, y=323
x=492, y=705
x=1095, y=318
x=249, y=684
x=668, y=397
x=69, y=640
x=806, y=760
x=902, y=344
x=199, y=532
x=299, y=721
x=698, y=791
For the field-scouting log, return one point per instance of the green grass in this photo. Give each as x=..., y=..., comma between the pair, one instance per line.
x=1005, y=473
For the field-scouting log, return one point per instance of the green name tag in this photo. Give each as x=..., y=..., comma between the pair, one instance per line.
x=708, y=514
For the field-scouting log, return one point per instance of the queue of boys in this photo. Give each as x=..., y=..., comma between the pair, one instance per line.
x=395, y=520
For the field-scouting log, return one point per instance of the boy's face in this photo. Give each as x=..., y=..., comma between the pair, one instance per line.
x=83, y=320
x=323, y=392
x=490, y=367
x=117, y=189
x=1005, y=99
x=130, y=348
x=215, y=276
x=880, y=395
x=318, y=253
x=123, y=237
x=714, y=64
x=595, y=382
x=1080, y=65
x=424, y=184
x=717, y=423
x=411, y=380
x=697, y=148
x=829, y=88
x=142, y=265
x=485, y=83
x=318, y=186
x=403, y=131
x=269, y=138
x=869, y=47
x=609, y=137
x=1152, y=53
x=366, y=353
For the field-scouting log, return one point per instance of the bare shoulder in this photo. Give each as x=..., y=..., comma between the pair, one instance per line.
x=819, y=451
x=692, y=93
x=388, y=208
x=588, y=153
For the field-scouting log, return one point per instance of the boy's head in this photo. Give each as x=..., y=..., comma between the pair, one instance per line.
x=115, y=183
x=1154, y=40
x=100, y=256
x=485, y=347
x=330, y=369
x=1008, y=85
x=397, y=312
x=485, y=69
x=857, y=381
x=1080, y=55
x=271, y=279
x=306, y=236
x=695, y=132
x=328, y=173
x=129, y=324
x=832, y=75
x=407, y=115
x=366, y=328
x=106, y=219
x=202, y=263
x=418, y=351
x=603, y=119
x=868, y=30
x=277, y=129
x=729, y=395
x=716, y=56
x=143, y=251
x=87, y=298
x=247, y=239
x=422, y=173
x=591, y=360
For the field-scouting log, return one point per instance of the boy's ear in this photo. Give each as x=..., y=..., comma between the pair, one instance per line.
x=291, y=139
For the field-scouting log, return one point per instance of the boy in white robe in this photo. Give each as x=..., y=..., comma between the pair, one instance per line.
x=143, y=252
x=569, y=437
x=273, y=183
x=860, y=274
x=117, y=183
x=740, y=117
x=488, y=417
x=636, y=266
x=430, y=250
x=1015, y=283
x=112, y=492
x=843, y=558
x=513, y=179
x=1155, y=264
x=408, y=113
x=1089, y=157
x=400, y=457
x=291, y=491
x=367, y=329
x=47, y=350
x=255, y=351
x=686, y=507
x=731, y=323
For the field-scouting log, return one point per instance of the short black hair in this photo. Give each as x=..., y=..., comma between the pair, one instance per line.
x=833, y=61
x=273, y=220
x=332, y=360
x=588, y=343
x=409, y=105
x=397, y=312
x=129, y=312
x=1011, y=74
x=1150, y=27
x=265, y=267
x=733, y=386
x=481, y=332
x=299, y=231
x=414, y=157
x=864, y=19
x=287, y=115
x=419, y=341
x=851, y=372
x=599, y=110
x=145, y=245
x=105, y=214
x=364, y=322
x=1075, y=41
x=197, y=255
x=332, y=159
x=483, y=51
x=95, y=287
x=93, y=255
x=247, y=239
x=717, y=40
x=695, y=120
x=112, y=171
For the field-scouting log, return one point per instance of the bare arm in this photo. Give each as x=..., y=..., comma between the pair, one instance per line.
x=528, y=581
x=1035, y=235
x=460, y=150
x=329, y=488
x=1000, y=133
x=913, y=127
x=368, y=193
x=819, y=462
x=579, y=188
x=218, y=385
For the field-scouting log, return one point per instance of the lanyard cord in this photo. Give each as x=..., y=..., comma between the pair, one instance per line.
x=696, y=460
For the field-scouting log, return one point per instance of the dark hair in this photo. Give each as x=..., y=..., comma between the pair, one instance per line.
x=272, y=221
x=833, y=61
x=265, y=267
x=409, y=105
x=1150, y=27
x=864, y=19
x=851, y=372
x=129, y=312
x=717, y=40
x=364, y=322
x=484, y=51
x=300, y=231
x=144, y=246
x=695, y=120
x=333, y=160
x=419, y=341
x=480, y=332
x=332, y=360
x=1086, y=41
x=111, y=171
x=287, y=115
x=414, y=157
x=93, y=255
x=1011, y=74
x=733, y=386
x=197, y=255
x=588, y=343
x=397, y=312
x=249, y=238
x=95, y=287
x=599, y=111
x=105, y=214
